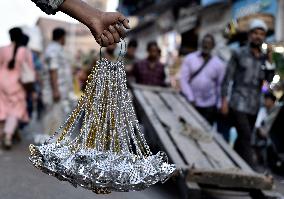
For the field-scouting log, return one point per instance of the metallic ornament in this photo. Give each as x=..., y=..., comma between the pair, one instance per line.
x=100, y=146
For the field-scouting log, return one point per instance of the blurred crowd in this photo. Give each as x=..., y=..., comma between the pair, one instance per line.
x=235, y=94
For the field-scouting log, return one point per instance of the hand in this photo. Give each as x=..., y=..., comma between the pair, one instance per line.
x=109, y=28
x=34, y=96
x=262, y=133
x=56, y=95
x=225, y=106
x=129, y=68
x=106, y=27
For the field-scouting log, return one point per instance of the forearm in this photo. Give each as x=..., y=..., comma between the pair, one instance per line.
x=186, y=89
x=54, y=80
x=229, y=77
x=219, y=82
x=105, y=26
x=226, y=83
x=80, y=10
x=184, y=81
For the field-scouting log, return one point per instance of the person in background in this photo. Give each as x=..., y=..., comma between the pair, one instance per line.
x=245, y=72
x=29, y=92
x=13, y=105
x=174, y=69
x=106, y=27
x=38, y=84
x=150, y=71
x=57, y=81
x=264, y=142
x=201, y=77
x=130, y=58
x=88, y=61
x=263, y=113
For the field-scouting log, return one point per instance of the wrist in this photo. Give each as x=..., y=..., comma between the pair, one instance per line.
x=91, y=16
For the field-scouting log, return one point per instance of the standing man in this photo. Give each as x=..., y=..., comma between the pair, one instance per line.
x=57, y=81
x=201, y=77
x=150, y=71
x=246, y=73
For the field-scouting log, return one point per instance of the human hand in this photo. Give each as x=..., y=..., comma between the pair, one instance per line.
x=34, y=96
x=56, y=95
x=262, y=133
x=225, y=106
x=108, y=28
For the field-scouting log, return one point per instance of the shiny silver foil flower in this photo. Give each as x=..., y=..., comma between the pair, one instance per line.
x=100, y=146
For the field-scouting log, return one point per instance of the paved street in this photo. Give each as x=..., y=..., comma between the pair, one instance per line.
x=20, y=180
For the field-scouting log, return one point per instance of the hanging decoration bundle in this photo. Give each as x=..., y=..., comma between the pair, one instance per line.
x=100, y=146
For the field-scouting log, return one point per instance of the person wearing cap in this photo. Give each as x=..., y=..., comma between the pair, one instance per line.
x=244, y=78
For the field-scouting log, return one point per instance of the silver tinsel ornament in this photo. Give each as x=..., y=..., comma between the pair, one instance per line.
x=100, y=146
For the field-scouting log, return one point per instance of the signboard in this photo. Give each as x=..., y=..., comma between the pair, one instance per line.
x=244, y=8
x=187, y=18
x=210, y=2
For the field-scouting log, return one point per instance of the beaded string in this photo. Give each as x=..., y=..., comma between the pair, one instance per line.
x=109, y=120
x=108, y=152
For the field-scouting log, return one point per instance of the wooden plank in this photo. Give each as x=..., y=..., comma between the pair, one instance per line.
x=233, y=154
x=230, y=179
x=152, y=88
x=199, y=119
x=217, y=137
x=189, y=188
x=271, y=195
x=211, y=150
x=162, y=135
x=187, y=147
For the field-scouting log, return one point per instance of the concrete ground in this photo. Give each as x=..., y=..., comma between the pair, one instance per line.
x=20, y=180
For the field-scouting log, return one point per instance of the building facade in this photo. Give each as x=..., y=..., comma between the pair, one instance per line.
x=79, y=38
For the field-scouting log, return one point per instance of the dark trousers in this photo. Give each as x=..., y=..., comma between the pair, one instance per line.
x=209, y=113
x=224, y=125
x=244, y=124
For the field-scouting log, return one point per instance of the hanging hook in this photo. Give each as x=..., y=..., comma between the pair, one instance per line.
x=121, y=51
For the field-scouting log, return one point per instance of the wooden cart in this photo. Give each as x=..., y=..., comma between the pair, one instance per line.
x=205, y=160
